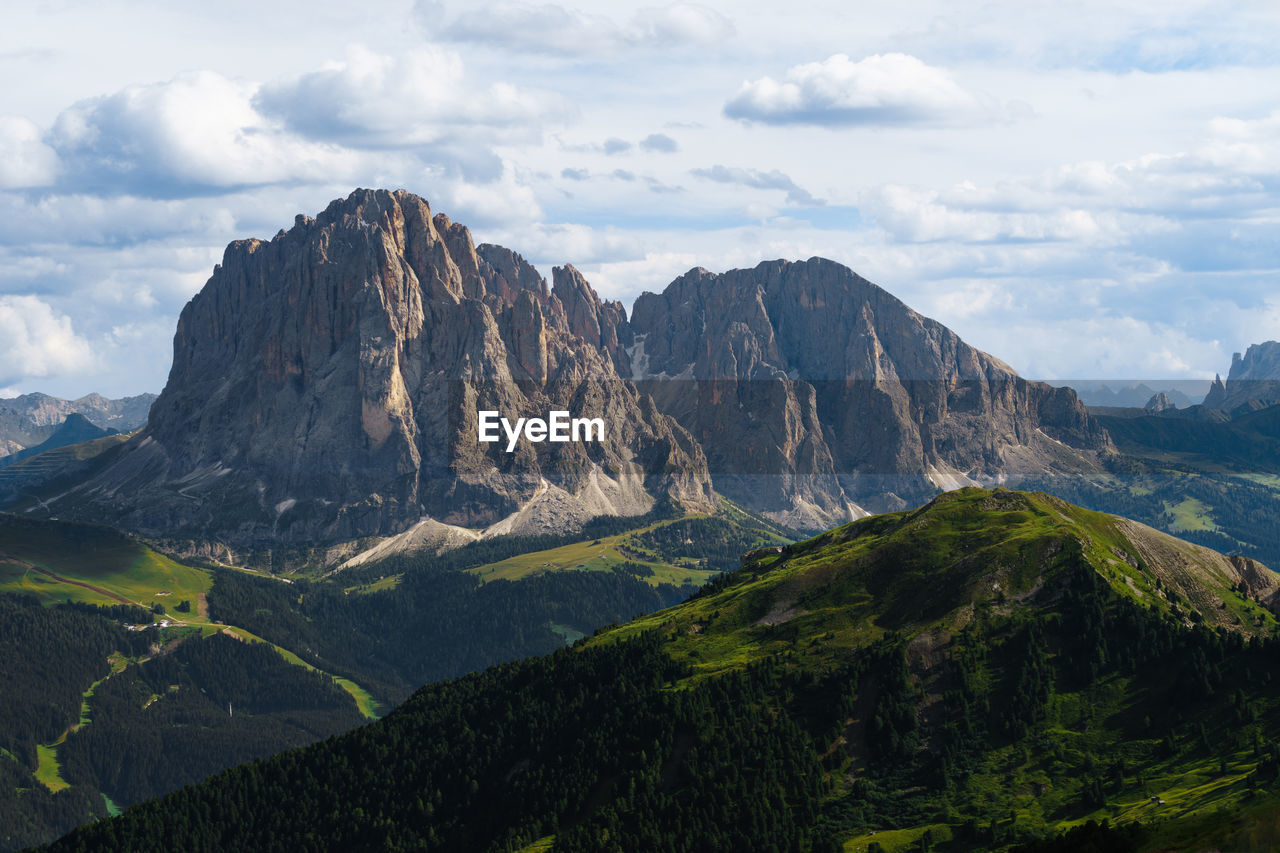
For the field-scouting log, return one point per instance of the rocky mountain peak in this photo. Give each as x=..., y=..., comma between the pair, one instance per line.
x=30, y=419
x=1259, y=362
x=601, y=324
x=326, y=385
x=506, y=274
x=1159, y=403
x=817, y=394
x=1254, y=378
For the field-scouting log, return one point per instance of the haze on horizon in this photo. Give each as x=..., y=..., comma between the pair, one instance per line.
x=1078, y=189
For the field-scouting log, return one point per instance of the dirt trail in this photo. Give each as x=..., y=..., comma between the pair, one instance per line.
x=202, y=606
x=60, y=579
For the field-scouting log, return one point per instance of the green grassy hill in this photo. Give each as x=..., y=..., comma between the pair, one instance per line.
x=681, y=552
x=1214, y=481
x=97, y=565
x=987, y=672
x=938, y=568
x=86, y=704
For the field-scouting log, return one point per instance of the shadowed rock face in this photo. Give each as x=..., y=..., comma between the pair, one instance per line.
x=325, y=386
x=811, y=388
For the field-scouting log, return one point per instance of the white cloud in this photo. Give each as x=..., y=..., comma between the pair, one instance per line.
x=118, y=220
x=919, y=216
x=968, y=299
x=1118, y=346
x=883, y=89
x=771, y=180
x=549, y=245
x=614, y=145
x=503, y=202
x=36, y=342
x=1008, y=230
x=627, y=279
x=679, y=23
x=1208, y=205
x=197, y=131
x=421, y=97
x=25, y=160
x=554, y=29
x=659, y=142
x=370, y=119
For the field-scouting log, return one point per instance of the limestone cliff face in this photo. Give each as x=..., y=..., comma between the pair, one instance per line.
x=1254, y=379
x=601, y=324
x=325, y=386
x=810, y=388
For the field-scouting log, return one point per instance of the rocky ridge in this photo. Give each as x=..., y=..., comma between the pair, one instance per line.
x=1158, y=404
x=819, y=396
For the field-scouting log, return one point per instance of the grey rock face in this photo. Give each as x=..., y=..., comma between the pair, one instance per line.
x=325, y=386
x=811, y=388
x=1254, y=378
x=601, y=324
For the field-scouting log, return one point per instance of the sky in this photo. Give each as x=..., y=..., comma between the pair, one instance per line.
x=1083, y=189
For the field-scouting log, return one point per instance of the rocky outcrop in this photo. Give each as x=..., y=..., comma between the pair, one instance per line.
x=1254, y=380
x=1158, y=404
x=1217, y=393
x=326, y=383
x=817, y=395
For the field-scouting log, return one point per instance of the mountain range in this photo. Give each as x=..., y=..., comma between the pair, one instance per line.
x=1117, y=393
x=326, y=383
x=74, y=430
x=30, y=419
x=978, y=669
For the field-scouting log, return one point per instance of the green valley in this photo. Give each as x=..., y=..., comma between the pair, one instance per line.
x=989, y=671
x=107, y=648
x=353, y=645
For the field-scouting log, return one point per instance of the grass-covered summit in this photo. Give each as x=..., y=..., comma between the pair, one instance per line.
x=966, y=558
x=989, y=671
